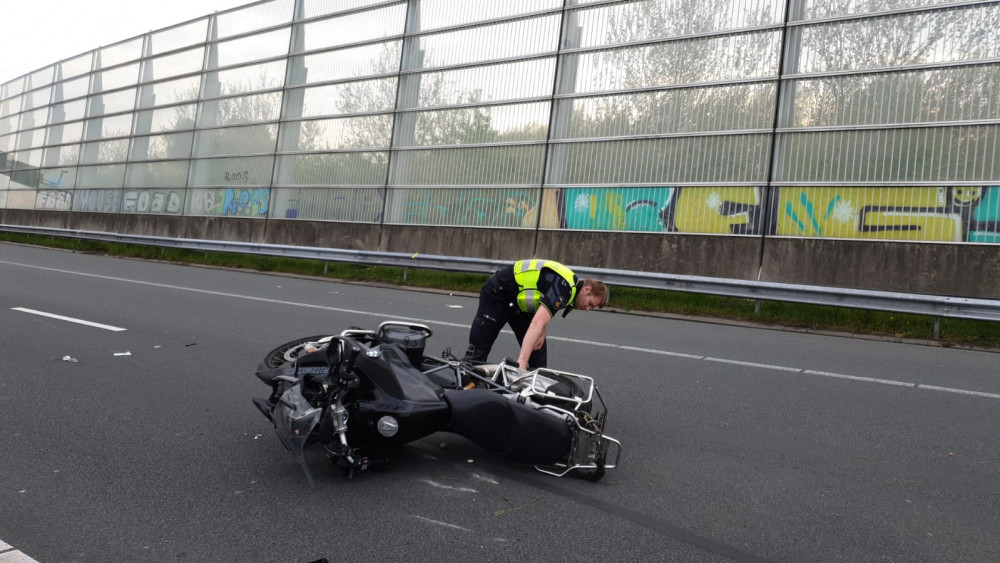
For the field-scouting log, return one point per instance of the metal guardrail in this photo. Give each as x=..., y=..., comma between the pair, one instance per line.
x=931, y=305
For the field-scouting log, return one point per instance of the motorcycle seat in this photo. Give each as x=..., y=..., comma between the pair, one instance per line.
x=518, y=432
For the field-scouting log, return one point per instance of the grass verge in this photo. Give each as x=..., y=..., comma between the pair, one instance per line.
x=954, y=332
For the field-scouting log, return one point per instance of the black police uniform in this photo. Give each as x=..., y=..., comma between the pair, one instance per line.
x=498, y=306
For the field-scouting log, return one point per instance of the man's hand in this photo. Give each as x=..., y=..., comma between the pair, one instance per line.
x=535, y=337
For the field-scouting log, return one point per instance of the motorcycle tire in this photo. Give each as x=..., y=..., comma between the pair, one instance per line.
x=277, y=358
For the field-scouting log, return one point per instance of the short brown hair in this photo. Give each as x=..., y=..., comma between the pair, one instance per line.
x=598, y=288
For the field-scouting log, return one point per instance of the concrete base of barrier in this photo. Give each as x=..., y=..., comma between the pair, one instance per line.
x=965, y=270
x=962, y=270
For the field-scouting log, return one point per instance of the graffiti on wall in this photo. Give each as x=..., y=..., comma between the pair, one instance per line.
x=901, y=213
x=59, y=200
x=984, y=218
x=616, y=209
x=715, y=210
x=98, y=201
x=230, y=202
x=963, y=213
x=165, y=202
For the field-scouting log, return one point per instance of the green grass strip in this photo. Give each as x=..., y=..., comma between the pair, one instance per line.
x=957, y=332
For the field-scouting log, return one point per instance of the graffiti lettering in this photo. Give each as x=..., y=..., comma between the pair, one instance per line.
x=237, y=202
x=51, y=199
x=97, y=201
x=238, y=177
x=149, y=201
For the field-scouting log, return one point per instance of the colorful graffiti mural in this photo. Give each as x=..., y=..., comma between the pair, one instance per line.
x=715, y=210
x=616, y=209
x=922, y=214
x=724, y=210
x=901, y=213
x=230, y=202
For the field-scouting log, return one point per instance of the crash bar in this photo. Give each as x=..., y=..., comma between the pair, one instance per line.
x=919, y=304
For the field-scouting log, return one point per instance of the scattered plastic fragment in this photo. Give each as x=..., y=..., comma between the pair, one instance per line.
x=454, y=306
x=123, y=353
x=69, y=359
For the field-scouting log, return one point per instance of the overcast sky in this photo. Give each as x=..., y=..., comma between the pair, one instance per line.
x=39, y=32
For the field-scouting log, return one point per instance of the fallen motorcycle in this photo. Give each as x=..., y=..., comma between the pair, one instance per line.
x=363, y=394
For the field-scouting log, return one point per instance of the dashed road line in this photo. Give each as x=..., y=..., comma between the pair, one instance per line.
x=557, y=338
x=69, y=319
x=10, y=555
x=752, y=364
x=959, y=391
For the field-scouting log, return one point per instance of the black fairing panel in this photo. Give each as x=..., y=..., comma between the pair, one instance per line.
x=516, y=431
x=392, y=387
x=391, y=371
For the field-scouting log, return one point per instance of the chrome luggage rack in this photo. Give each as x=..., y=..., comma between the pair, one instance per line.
x=591, y=451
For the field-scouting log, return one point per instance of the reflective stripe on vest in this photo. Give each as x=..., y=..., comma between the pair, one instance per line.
x=526, y=274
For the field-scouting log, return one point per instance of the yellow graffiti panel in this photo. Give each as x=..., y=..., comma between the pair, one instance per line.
x=550, y=211
x=715, y=210
x=897, y=213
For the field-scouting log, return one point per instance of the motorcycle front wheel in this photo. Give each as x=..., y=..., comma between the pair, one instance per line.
x=289, y=351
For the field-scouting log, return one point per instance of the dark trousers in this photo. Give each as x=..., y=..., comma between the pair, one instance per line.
x=498, y=307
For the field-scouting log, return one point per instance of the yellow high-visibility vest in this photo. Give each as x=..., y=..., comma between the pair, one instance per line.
x=526, y=274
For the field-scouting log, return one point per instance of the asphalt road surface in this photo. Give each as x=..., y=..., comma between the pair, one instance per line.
x=740, y=444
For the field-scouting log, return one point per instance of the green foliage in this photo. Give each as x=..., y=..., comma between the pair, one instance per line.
x=792, y=315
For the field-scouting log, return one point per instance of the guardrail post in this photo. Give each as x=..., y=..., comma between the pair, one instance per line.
x=937, y=328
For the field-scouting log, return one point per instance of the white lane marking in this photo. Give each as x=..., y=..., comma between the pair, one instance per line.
x=960, y=391
x=69, y=319
x=15, y=557
x=464, y=325
x=10, y=555
x=586, y=342
x=234, y=295
x=857, y=378
x=439, y=523
x=751, y=364
x=662, y=352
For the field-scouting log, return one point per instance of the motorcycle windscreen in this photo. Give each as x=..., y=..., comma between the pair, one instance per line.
x=294, y=421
